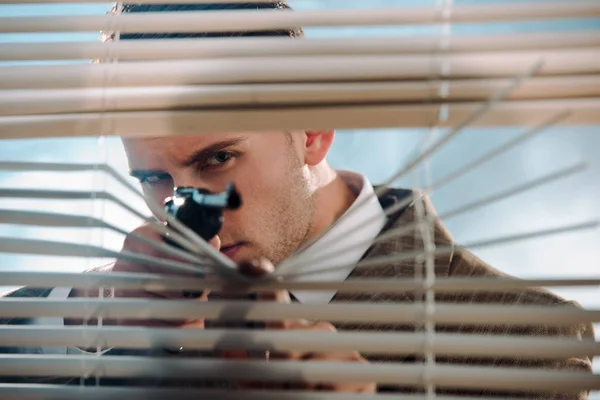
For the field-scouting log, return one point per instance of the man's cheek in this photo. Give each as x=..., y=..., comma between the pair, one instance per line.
x=232, y=228
x=157, y=195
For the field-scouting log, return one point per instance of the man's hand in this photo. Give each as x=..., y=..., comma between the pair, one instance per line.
x=253, y=269
x=133, y=245
x=265, y=267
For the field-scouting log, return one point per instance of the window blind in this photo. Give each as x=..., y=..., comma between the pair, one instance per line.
x=440, y=81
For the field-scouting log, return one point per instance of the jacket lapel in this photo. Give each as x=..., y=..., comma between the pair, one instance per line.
x=409, y=241
x=23, y=292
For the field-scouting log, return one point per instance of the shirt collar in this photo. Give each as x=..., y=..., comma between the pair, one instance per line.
x=60, y=293
x=343, y=245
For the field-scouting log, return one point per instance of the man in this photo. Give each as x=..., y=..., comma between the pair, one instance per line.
x=292, y=196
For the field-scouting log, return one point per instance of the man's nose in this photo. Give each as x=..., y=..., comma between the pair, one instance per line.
x=186, y=179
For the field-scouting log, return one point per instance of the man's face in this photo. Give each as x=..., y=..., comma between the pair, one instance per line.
x=268, y=169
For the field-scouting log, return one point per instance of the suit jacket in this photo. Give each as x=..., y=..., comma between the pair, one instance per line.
x=461, y=263
x=458, y=263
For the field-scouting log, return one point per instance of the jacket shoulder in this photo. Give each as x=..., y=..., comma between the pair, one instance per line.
x=101, y=268
x=23, y=292
x=466, y=264
x=28, y=292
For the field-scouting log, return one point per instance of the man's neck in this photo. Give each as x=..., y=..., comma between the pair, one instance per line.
x=332, y=198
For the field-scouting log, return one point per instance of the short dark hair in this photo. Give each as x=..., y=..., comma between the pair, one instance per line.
x=141, y=8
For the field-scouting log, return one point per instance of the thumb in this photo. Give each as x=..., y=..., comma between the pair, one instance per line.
x=196, y=323
x=215, y=242
x=280, y=296
x=256, y=268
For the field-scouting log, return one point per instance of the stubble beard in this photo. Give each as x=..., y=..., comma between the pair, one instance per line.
x=293, y=213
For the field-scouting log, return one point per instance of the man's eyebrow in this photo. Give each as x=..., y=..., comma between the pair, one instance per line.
x=209, y=151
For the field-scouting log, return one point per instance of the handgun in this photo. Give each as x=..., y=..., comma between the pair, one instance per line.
x=202, y=211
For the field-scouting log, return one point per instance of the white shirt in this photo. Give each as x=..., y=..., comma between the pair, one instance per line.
x=60, y=293
x=343, y=245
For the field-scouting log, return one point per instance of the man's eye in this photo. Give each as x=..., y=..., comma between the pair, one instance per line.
x=152, y=180
x=218, y=159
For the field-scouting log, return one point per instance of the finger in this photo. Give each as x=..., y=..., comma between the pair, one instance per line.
x=261, y=267
x=146, y=231
x=138, y=242
x=353, y=356
x=311, y=326
x=280, y=296
x=196, y=323
x=215, y=242
x=303, y=325
x=256, y=268
x=193, y=324
x=348, y=387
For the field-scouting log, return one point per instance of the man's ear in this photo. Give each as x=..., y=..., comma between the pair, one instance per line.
x=317, y=145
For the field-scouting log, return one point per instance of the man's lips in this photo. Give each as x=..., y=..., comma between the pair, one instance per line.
x=232, y=249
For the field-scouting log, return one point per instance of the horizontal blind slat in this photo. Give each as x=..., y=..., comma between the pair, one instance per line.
x=21, y=166
x=168, y=123
x=54, y=101
x=145, y=1
x=445, y=313
x=68, y=195
x=397, y=343
x=284, y=46
x=36, y=218
x=234, y=20
x=303, y=69
x=65, y=249
x=450, y=376
x=156, y=282
x=61, y=392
